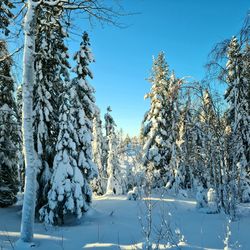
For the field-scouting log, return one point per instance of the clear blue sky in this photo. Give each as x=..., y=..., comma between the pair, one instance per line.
x=185, y=29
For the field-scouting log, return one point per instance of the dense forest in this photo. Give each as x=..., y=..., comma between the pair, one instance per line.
x=57, y=153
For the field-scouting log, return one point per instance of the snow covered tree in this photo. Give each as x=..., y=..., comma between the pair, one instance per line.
x=79, y=113
x=6, y=14
x=177, y=179
x=99, y=184
x=208, y=125
x=30, y=27
x=51, y=68
x=109, y=129
x=70, y=192
x=115, y=184
x=9, y=132
x=109, y=122
x=185, y=147
x=158, y=136
x=83, y=101
x=238, y=119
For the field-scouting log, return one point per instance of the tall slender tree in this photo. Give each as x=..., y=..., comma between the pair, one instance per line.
x=99, y=184
x=115, y=184
x=109, y=129
x=238, y=119
x=9, y=132
x=83, y=101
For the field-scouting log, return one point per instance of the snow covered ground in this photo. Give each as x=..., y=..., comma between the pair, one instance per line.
x=113, y=223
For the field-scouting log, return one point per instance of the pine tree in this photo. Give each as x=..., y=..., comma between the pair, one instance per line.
x=69, y=191
x=6, y=15
x=109, y=129
x=158, y=136
x=83, y=101
x=208, y=125
x=185, y=146
x=238, y=119
x=176, y=171
x=9, y=136
x=115, y=184
x=51, y=72
x=99, y=184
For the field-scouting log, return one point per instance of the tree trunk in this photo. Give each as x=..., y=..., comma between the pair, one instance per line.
x=28, y=211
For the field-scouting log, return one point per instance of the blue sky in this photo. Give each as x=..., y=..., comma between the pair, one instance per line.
x=185, y=29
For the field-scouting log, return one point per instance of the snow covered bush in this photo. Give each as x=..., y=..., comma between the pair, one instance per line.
x=133, y=194
x=201, y=198
x=212, y=201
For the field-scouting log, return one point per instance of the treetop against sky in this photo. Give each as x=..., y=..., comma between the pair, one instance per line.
x=185, y=30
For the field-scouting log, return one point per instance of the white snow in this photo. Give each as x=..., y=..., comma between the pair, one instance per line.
x=113, y=223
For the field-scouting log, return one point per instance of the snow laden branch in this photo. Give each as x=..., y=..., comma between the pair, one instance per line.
x=94, y=9
x=11, y=54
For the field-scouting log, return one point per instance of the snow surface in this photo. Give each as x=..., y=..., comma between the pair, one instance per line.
x=113, y=223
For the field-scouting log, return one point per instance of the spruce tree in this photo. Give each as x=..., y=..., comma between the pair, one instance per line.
x=185, y=147
x=69, y=192
x=115, y=184
x=99, y=184
x=175, y=172
x=109, y=122
x=238, y=119
x=83, y=101
x=9, y=132
x=51, y=72
x=159, y=132
x=208, y=125
x=109, y=129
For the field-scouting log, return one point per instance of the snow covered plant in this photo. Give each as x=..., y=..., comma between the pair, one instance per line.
x=201, y=198
x=70, y=191
x=228, y=245
x=212, y=201
x=133, y=194
x=9, y=134
x=155, y=220
x=114, y=185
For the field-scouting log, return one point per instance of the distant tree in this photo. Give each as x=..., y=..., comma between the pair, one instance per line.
x=99, y=184
x=185, y=147
x=9, y=132
x=115, y=184
x=109, y=126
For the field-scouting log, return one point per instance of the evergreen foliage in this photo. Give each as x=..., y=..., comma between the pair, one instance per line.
x=51, y=73
x=9, y=136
